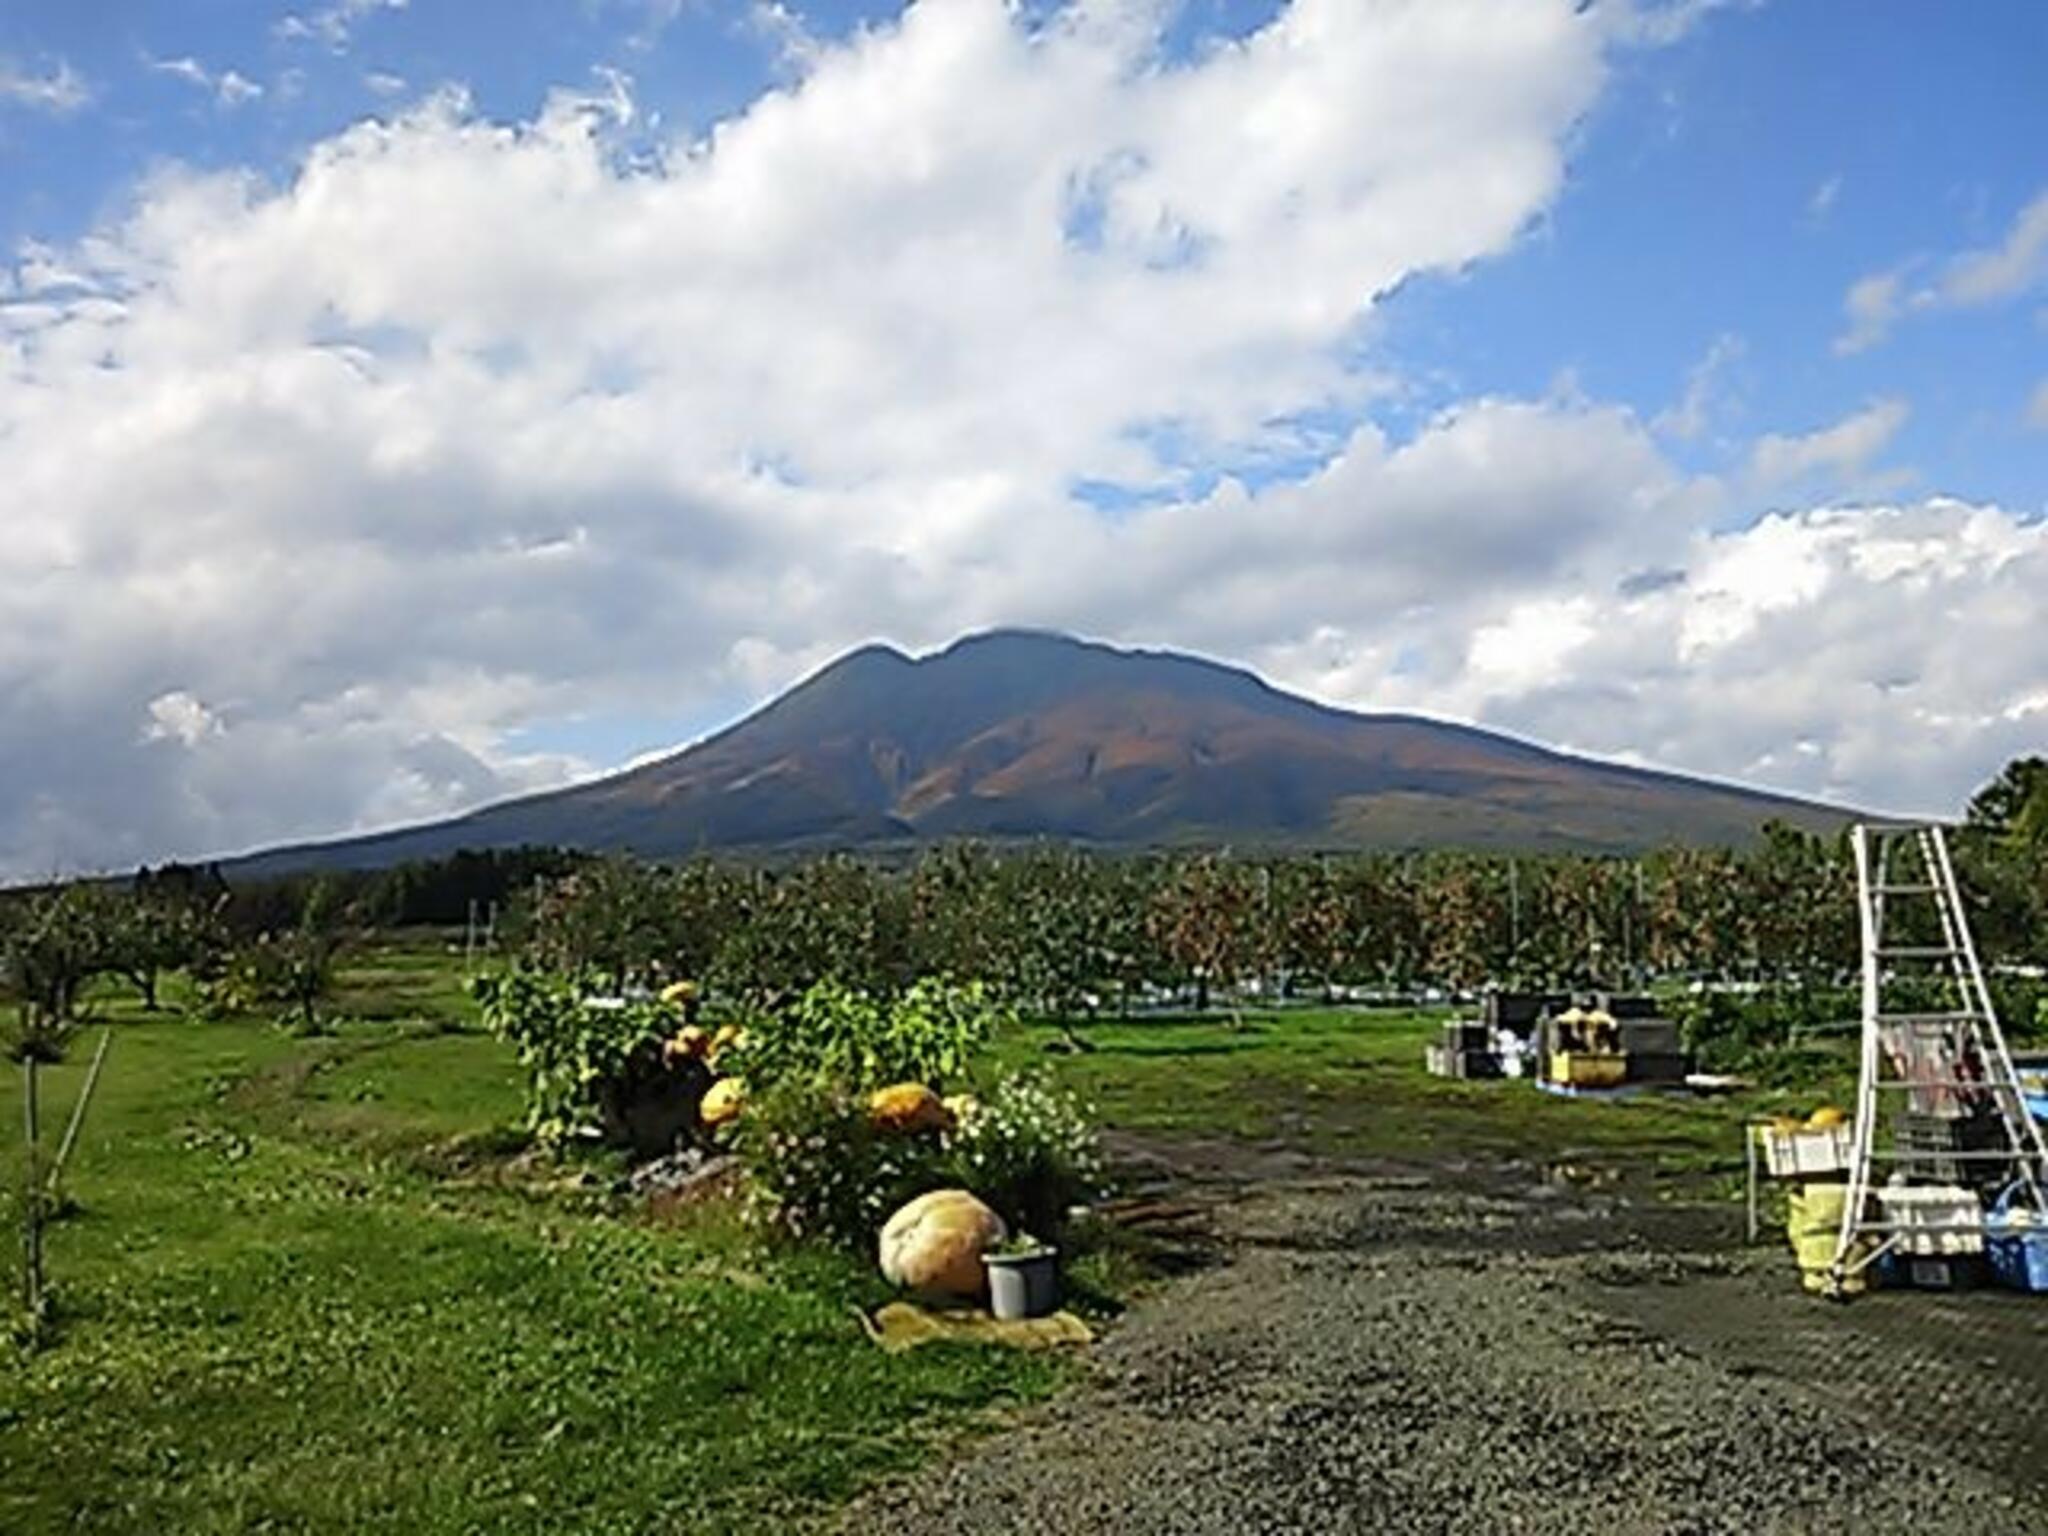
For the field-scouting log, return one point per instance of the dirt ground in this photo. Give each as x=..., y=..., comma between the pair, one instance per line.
x=1482, y=1349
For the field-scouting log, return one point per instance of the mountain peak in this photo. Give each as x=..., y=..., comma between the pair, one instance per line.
x=1016, y=733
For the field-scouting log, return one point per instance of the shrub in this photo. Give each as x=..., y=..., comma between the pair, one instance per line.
x=582, y=1062
x=835, y=1034
x=818, y=1169
x=1030, y=1151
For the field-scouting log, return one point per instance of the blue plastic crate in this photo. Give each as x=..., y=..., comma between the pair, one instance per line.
x=2018, y=1253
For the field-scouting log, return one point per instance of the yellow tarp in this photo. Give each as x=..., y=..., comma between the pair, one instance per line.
x=904, y=1325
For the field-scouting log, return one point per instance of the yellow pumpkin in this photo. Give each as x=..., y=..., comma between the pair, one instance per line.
x=722, y=1102
x=690, y=1040
x=679, y=991
x=907, y=1107
x=1826, y=1118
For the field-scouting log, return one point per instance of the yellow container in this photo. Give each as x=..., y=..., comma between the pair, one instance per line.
x=1813, y=1225
x=1584, y=1069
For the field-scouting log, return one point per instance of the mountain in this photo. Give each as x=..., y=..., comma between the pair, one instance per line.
x=1018, y=734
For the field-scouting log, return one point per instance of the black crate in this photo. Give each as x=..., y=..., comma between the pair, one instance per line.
x=1465, y=1035
x=1625, y=1005
x=1650, y=1037
x=1948, y=1272
x=1475, y=1064
x=1658, y=1067
x=1519, y=1011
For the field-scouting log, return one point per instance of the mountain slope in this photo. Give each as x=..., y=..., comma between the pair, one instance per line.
x=1020, y=734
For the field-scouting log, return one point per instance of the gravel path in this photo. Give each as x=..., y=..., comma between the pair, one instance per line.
x=1385, y=1351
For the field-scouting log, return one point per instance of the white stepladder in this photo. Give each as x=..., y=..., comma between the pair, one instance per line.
x=1940, y=1062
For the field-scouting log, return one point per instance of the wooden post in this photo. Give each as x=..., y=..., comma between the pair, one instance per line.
x=32, y=1206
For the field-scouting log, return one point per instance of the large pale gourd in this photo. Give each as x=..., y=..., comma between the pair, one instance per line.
x=935, y=1243
x=908, y=1107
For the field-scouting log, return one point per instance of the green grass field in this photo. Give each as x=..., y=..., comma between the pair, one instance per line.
x=310, y=1283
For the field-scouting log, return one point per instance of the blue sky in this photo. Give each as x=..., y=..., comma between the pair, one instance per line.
x=1708, y=297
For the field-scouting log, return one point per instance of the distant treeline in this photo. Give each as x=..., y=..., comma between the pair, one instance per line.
x=1067, y=930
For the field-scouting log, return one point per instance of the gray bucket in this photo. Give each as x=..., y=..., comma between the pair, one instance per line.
x=1023, y=1285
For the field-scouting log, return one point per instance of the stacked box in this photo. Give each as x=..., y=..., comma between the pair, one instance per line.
x=1520, y=1011
x=1625, y=1005
x=1927, y=1146
x=1466, y=1035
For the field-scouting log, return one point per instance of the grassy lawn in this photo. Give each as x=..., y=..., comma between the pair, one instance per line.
x=1349, y=1082
x=295, y=1296
x=309, y=1283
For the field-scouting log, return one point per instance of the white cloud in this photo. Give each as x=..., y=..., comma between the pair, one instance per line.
x=2007, y=270
x=344, y=487
x=1822, y=202
x=333, y=25
x=177, y=716
x=60, y=90
x=382, y=83
x=1705, y=390
x=1846, y=448
x=1873, y=306
x=229, y=89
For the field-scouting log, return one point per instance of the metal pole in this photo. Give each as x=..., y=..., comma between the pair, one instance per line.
x=92, y=1077
x=1749, y=1130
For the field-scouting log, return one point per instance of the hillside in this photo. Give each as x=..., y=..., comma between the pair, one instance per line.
x=1016, y=734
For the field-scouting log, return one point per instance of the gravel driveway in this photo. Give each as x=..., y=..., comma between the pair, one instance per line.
x=1384, y=1350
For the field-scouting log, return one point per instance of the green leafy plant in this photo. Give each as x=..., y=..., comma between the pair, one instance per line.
x=819, y=1170
x=836, y=1035
x=1030, y=1150
x=571, y=1050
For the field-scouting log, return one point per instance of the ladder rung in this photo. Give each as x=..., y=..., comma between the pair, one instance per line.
x=1897, y=828
x=1919, y=952
x=1944, y=1154
x=1944, y=1082
x=1905, y=890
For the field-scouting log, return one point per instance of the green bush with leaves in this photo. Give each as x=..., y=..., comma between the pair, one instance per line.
x=818, y=1169
x=836, y=1035
x=1030, y=1150
x=570, y=1049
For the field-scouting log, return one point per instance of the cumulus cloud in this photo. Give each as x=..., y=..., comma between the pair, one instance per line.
x=1916, y=675
x=58, y=90
x=333, y=492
